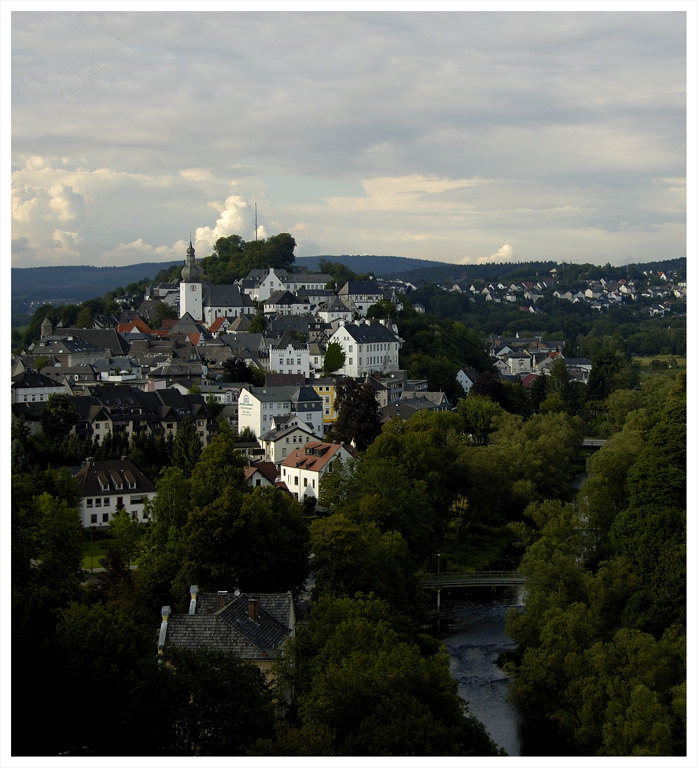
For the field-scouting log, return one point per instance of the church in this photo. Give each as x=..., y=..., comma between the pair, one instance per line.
x=206, y=302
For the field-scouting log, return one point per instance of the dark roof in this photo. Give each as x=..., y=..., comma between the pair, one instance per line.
x=106, y=338
x=354, y=288
x=225, y=296
x=30, y=379
x=96, y=474
x=370, y=334
x=231, y=629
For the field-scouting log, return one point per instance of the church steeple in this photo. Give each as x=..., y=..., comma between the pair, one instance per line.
x=191, y=288
x=191, y=272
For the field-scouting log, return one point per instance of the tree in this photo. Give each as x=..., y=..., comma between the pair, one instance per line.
x=59, y=417
x=334, y=358
x=258, y=540
x=359, y=417
x=198, y=703
x=125, y=532
x=478, y=413
x=359, y=675
x=187, y=447
x=84, y=319
x=235, y=369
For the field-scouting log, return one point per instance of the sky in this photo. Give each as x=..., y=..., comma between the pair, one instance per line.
x=454, y=135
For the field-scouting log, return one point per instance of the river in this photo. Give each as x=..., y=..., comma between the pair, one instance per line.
x=474, y=636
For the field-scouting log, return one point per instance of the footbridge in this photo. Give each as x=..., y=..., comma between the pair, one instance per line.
x=453, y=579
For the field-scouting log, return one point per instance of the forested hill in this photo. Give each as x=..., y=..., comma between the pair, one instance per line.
x=78, y=283
x=379, y=265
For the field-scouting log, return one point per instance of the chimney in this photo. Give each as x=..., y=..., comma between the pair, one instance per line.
x=253, y=608
x=166, y=611
x=222, y=598
x=193, y=591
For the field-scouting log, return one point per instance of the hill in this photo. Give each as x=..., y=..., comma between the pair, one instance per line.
x=73, y=285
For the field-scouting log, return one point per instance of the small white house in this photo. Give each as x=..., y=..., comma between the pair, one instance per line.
x=306, y=466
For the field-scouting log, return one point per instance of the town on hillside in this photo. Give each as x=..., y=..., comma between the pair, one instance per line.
x=240, y=474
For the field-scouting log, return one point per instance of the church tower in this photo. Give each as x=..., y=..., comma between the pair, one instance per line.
x=191, y=288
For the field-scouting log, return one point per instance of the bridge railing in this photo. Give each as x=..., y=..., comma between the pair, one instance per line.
x=471, y=578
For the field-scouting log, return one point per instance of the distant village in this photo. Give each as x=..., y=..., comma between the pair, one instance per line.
x=125, y=377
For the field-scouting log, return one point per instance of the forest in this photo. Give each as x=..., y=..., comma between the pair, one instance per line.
x=601, y=644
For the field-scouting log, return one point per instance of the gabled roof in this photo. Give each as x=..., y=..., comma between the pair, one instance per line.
x=234, y=627
x=356, y=288
x=369, y=334
x=97, y=478
x=315, y=456
x=30, y=379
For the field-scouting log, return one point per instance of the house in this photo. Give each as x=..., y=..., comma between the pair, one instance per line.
x=261, y=474
x=287, y=434
x=28, y=386
x=283, y=302
x=325, y=388
x=108, y=486
x=335, y=309
x=360, y=295
x=466, y=377
x=367, y=348
x=258, y=406
x=289, y=355
x=69, y=350
x=253, y=626
x=305, y=467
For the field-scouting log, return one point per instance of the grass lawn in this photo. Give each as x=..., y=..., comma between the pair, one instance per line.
x=646, y=361
x=95, y=550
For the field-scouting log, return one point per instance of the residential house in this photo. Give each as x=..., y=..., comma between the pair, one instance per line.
x=253, y=626
x=108, y=486
x=305, y=467
x=28, y=386
x=360, y=296
x=367, y=348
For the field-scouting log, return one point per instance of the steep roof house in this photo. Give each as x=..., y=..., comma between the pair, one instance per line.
x=253, y=626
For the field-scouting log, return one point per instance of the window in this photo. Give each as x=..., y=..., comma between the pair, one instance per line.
x=97, y=425
x=88, y=503
x=119, y=502
x=105, y=517
x=98, y=502
x=93, y=519
x=305, y=482
x=107, y=501
x=295, y=480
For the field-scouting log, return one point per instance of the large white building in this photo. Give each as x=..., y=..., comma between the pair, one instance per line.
x=257, y=407
x=108, y=486
x=367, y=348
x=289, y=355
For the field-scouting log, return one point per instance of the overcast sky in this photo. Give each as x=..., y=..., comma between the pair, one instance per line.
x=454, y=136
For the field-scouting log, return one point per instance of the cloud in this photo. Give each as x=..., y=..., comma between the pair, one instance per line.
x=423, y=134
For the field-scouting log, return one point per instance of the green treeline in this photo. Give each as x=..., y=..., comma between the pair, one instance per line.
x=602, y=640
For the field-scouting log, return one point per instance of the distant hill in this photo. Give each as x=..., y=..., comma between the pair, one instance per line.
x=379, y=265
x=74, y=285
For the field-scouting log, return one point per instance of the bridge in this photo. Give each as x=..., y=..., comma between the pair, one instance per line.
x=454, y=579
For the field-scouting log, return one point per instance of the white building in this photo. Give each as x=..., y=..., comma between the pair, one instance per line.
x=257, y=407
x=367, y=348
x=289, y=355
x=360, y=295
x=107, y=486
x=303, y=470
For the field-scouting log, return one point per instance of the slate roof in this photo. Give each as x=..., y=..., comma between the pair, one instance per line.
x=111, y=474
x=106, y=338
x=30, y=379
x=231, y=629
x=370, y=334
x=225, y=296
